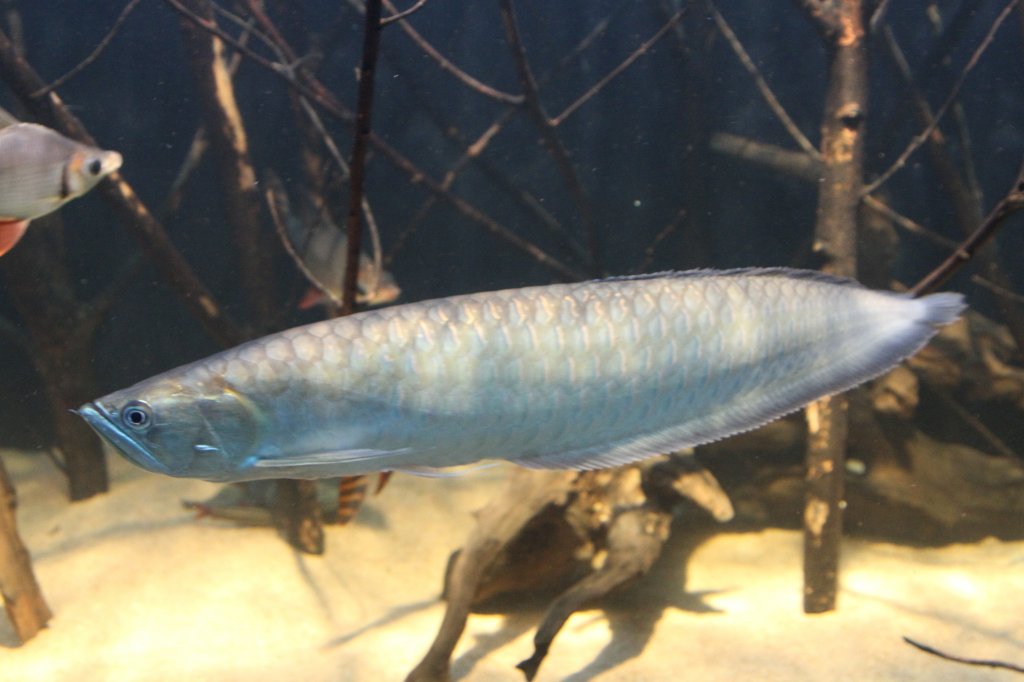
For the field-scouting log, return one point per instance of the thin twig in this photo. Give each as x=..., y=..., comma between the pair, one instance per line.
x=661, y=236
x=93, y=56
x=922, y=137
x=762, y=85
x=1012, y=202
x=547, y=130
x=997, y=290
x=610, y=76
x=997, y=443
x=878, y=15
x=959, y=659
x=908, y=224
x=447, y=65
x=403, y=14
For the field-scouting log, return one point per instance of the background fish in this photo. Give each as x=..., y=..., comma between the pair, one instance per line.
x=40, y=171
x=585, y=375
x=322, y=246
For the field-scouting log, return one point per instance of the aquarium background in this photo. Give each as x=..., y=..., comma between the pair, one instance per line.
x=662, y=196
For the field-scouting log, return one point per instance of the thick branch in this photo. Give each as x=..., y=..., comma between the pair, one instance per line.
x=835, y=238
x=227, y=135
x=23, y=600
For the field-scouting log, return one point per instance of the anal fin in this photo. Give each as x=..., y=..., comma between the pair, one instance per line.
x=11, y=232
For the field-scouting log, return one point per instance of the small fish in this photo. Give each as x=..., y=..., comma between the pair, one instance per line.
x=252, y=503
x=40, y=171
x=586, y=375
x=322, y=246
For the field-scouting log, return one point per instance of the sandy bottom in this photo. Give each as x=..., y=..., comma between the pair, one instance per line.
x=141, y=590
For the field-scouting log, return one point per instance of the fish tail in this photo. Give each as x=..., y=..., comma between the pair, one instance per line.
x=943, y=308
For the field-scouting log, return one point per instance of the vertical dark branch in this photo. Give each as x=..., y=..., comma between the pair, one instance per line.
x=231, y=147
x=835, y=235
x=23, y=600
x=547, y=130
x=357, y=164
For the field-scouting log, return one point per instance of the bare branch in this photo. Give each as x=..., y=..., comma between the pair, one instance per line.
x=762, y=85
x=447, y=65
x=959, y=659
x=547, y=130
x=93, y=56
x=1012, y=202
x=403, y=14
x=923, y=136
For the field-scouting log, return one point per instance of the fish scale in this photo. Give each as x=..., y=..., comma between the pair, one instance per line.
x=577, y=375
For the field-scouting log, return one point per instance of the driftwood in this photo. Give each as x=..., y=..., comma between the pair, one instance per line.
x=585, y=533
x=835, y=239
x=23, y=600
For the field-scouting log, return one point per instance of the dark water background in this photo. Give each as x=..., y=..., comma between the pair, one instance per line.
x=639, y=148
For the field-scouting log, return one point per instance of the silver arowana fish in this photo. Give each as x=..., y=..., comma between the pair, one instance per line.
x=40, y=171
x=584, y=375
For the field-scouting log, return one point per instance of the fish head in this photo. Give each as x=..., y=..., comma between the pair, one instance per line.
x=180, y=428
x=86, y=167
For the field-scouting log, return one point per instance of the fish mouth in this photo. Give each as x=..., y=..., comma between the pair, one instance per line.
x=103, y=423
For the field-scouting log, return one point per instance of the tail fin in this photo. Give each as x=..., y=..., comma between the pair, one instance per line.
x=942, y=309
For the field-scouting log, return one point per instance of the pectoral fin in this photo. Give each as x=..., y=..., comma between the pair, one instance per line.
x=326, y=464
x=11, y=232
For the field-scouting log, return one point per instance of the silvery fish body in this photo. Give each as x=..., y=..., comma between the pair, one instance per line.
x=41, y=170
x=582, y=375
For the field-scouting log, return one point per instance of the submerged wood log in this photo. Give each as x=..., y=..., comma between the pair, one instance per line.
x=582, y=533
x=500, y=522
x=23, y=600
x=835, y=237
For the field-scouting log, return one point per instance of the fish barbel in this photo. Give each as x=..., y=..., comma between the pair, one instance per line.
x=40, y=171
x=585, y=375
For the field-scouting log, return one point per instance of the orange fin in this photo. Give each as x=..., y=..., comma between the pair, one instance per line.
x=312, y=297
x=11, y=232
x=351, y=493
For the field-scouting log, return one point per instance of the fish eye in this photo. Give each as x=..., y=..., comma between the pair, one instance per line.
x=95, y=166
x=137, y=415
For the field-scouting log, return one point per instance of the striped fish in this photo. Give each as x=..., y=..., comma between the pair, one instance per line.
x=586, y=375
